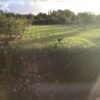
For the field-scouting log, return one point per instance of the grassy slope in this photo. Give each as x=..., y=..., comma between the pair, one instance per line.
x=47, y=35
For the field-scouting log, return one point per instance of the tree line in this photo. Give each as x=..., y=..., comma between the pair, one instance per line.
x=12, y=25
x=64, y=17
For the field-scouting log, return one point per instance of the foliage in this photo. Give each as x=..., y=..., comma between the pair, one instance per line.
x=55, y=17
x=65, y=17
x=10, y=25
x=86, y=18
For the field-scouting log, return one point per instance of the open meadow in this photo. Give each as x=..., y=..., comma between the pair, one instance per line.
x=71, y=36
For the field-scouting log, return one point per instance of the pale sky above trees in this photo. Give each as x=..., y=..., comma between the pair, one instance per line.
x=36, y=6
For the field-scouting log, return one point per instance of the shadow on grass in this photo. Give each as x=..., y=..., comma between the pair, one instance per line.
x=49, y=65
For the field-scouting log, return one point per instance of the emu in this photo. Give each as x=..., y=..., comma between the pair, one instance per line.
x=60, y=39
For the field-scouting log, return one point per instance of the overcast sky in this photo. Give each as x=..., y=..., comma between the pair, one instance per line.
x=36, y=6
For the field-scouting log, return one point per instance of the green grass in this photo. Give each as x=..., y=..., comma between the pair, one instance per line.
x=61, y=64
x=47, y=35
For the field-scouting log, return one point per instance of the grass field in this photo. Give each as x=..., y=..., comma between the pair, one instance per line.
x=48, y=35
x=69, y=72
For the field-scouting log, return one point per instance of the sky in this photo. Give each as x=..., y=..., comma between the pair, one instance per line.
x=37, y=6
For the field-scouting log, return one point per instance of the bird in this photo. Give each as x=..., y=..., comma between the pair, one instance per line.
x=60, y=39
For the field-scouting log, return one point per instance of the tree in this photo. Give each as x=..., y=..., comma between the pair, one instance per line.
x=98, y=19
x=86, y=18
x=11, y=26
x=2, y=20
x=40, y=18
